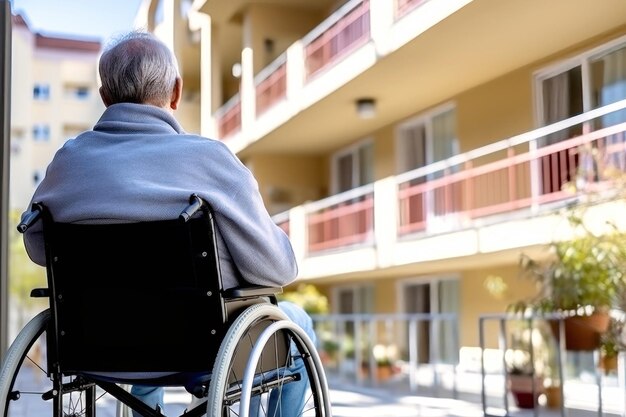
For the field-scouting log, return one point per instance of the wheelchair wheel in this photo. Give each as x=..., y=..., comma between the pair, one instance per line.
x=27, y=390
x=288, y=391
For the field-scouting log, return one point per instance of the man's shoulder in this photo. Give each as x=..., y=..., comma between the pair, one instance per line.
x=204, y=141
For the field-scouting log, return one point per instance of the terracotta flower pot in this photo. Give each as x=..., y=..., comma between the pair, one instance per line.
x=608, y=363
x=521, y=386
x=554, y=399
x=582, y=333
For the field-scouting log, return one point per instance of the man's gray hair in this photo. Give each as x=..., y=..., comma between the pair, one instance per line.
x=138, y=68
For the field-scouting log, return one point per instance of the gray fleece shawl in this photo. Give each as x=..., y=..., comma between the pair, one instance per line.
x=138, y=164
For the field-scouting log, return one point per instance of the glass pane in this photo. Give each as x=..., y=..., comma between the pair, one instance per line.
x=346, y=302
x=444, y=136
x=562, y=99
x=413, y=148
x=608, y=81
x=345, y=173
x=366, y=164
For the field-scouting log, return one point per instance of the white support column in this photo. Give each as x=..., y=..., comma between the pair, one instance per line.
x=381, y=19
x=386, y=220
x=247, y=91
x=295, y=70
x=202, y=22
x=298, y=232
x=166, y=27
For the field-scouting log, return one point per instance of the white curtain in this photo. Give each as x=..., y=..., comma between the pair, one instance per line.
x=413, y=146
x=556, y=98
x=445, y=143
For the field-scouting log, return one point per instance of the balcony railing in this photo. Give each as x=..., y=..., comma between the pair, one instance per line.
x=341, y=33
x=271, y=84
x=229, y=117
x=345, y=219
x=515, y=174
x=403, y=7
x=351, y=345
x=282, y=221
x=519, y=173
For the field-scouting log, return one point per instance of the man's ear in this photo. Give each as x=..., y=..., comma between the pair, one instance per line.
x=177, y=93
x=104, y=97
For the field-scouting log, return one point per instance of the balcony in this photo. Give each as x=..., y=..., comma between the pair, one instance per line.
x=337, y=36
x=515, y=178
x=378, y=49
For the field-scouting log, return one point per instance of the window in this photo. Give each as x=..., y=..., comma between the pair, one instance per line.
x=41, y=92
x=427, y=139
x=41, y=132
x=353, y=167
x=433, y=296
x=354, y=300
x=82, y=92
x=420, y=142
x=589, y=81
x=77, y=92
x=37, y=177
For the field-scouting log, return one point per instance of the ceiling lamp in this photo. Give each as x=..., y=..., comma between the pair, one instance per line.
x=366, y=108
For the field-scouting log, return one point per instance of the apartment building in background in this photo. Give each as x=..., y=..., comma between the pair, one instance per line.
x=411, y=149
x=54, y=96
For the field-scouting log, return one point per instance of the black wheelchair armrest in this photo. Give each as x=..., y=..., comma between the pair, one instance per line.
x=251, y=291
x=40, y=292
x=30, y=219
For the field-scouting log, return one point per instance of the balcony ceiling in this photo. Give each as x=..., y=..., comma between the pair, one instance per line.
x=226, y=11
x=482, y=41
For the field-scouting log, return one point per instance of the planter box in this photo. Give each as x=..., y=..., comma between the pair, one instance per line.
x=521, y=386
x=582, y=333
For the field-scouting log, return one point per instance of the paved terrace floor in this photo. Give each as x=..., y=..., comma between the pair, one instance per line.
x=394, y=398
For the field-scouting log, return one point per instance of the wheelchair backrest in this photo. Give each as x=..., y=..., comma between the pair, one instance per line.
x=140, y=297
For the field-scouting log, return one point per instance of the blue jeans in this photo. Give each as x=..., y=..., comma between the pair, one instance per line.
x=292, y=395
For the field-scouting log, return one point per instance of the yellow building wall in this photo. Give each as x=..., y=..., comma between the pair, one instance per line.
x=281, y=26
x=480, y=295
x=495, y=111
x=385, y=301
x=384, y=152
x=298, y=180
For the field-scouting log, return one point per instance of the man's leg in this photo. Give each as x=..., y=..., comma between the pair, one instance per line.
x=152, y=396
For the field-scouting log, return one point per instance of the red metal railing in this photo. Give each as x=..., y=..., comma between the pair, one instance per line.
x=405, y=6
x=506, y=176
x=271, y=89
x=335, y=41
x=513, y=178
x=229, y=118
x=348, y=222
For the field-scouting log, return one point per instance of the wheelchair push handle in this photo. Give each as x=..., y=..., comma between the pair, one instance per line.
x=30, y=219
x=195, y=204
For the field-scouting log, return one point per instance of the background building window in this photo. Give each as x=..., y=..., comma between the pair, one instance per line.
x=41, y=92
x=41, y=132
x=79, y=92
x=82, y=92
x=353, y=167
x=37, y=177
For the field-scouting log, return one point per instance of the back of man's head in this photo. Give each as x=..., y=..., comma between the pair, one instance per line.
x=138, y=68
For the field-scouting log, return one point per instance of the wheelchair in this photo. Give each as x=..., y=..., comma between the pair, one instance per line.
x=142, y=303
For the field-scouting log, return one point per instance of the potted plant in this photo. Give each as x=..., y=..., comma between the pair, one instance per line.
x=611, y=343
x=384, y=357
x=579, y=281
x=523, y=382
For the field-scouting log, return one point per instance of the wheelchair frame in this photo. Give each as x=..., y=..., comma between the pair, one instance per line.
x=241, y=323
